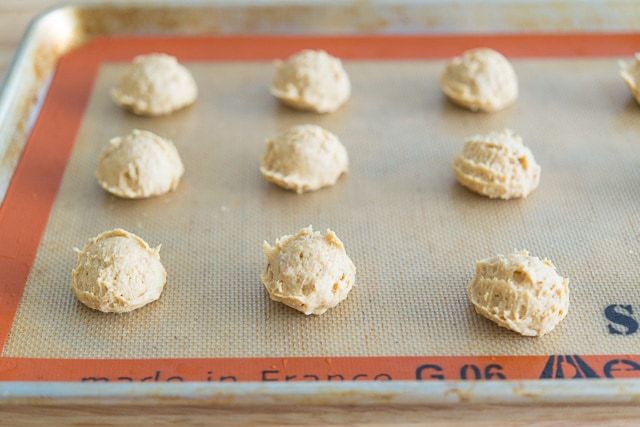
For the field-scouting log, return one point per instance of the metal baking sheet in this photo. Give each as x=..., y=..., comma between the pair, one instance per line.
x=411, y=230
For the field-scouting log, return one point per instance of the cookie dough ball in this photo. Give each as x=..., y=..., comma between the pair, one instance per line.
x=118, y=272
x=310, y=272
x=304, y=158
x=480, y=80
x=311, y=80
x=139, y=165
x=630, y=72
x=497, y=165
x=155, y=85
x=520, y=292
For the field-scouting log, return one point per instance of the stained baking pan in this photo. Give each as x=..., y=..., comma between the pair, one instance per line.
x=406, y=340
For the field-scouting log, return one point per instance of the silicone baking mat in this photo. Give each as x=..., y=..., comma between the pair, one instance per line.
x=413, y=233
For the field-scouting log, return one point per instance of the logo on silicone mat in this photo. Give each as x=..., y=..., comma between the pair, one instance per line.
x=567, y=367
x=622, y=319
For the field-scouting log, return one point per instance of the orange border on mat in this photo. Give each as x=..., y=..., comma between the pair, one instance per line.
x=25, y=211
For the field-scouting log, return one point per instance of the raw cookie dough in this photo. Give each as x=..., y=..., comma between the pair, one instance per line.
x=139, y=165
x=520, y=292
x=155, y=85
x=630, y=72
x=310, y=272
x=480, y=80
x=497, y=165
x=311, y=80
x=118, y=272
x=304, y=158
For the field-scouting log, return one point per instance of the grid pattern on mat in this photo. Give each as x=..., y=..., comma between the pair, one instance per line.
x=413, y=233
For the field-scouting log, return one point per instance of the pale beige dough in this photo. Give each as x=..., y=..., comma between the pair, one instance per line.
x=118, y=272
x=630, y=72
x=304, y=158
x=520, y=292
x=309, y=271
x=311, y=80
x=155, y=85
x=481, y=80
x=497, y=165
x=139, y=165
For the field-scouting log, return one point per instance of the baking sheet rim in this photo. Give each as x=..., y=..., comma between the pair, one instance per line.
x=401, y=393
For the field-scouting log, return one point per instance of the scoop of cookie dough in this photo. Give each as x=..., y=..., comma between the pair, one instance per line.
x=497, y=165
x=139, y=165
x=118, y=272
x=155, y=85
x=309, y=271
x=630, y=72
x=520, y=292
x=311, y=80
x=480, y=80
x=304, y=158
